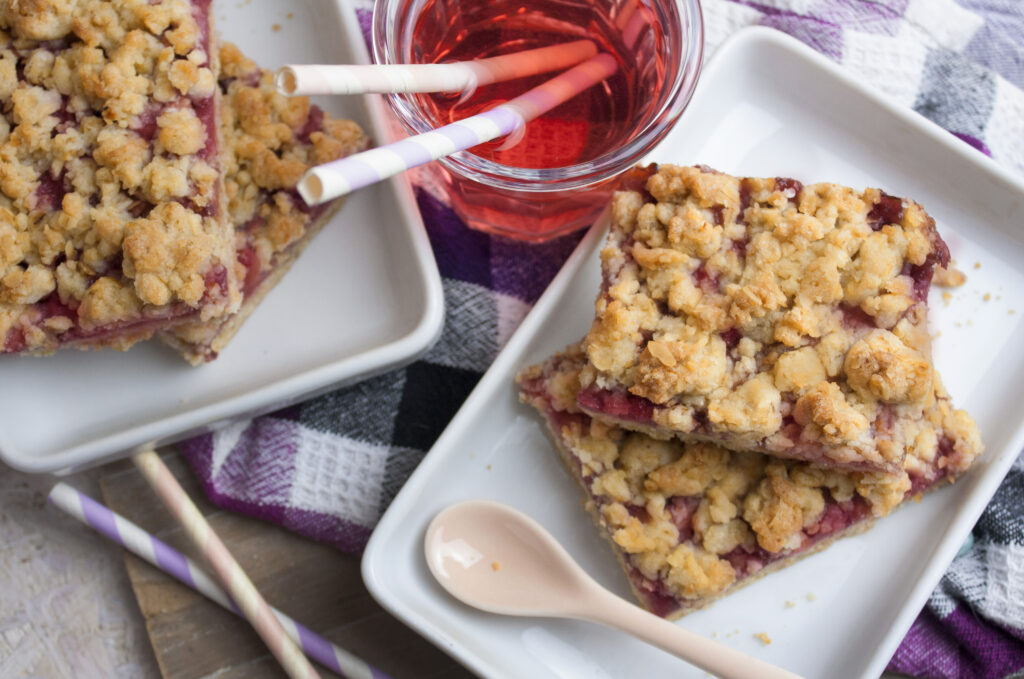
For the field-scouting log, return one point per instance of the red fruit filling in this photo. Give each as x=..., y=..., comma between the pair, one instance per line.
x=744, y=198
x=888, y=210
x=617, y=403
x=248, y=258
x=216, y=280
x=855, y=317
x=15, y=341
x=659, y=599
x=50, y=192
x=146, y=126
x=718, y=213
x=681, y=510
x=314, y=122
x=922, y=274
x=638, y=512
x=790, y=187
x=740, y=247
x=705, y=281
x=731, y=337
x=636, y=178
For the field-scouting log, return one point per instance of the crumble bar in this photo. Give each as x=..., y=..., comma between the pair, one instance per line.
x=270, y=141
x=692, y=521
x=112, y=219
x=762, y=314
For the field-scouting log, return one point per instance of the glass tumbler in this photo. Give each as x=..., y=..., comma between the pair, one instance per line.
x=558, y=174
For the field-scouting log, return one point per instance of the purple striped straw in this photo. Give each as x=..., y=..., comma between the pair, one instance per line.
x=331, y=180
x=186, y=571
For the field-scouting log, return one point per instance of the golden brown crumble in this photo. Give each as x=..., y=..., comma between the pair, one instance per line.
x=883, y=368
x=825, y=407
x=738, y=500
x=267, y=150
x=948, y=277
x=104, y=159
x=734, y=298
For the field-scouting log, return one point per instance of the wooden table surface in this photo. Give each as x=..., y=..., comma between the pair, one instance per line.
x=73, y=605
x=315, y=584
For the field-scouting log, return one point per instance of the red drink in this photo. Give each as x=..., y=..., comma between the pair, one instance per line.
x=585, y=127
x=560, y=174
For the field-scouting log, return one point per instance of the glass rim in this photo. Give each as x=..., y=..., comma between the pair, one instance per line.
x=385, y=29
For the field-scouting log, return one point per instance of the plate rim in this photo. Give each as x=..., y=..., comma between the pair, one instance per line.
x=279, y=393
x=981, y=492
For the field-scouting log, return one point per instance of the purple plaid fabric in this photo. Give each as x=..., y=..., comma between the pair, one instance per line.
x=328, y=468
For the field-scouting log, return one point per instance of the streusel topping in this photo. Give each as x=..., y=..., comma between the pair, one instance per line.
x=270, y=142
x=744, y=303
x=107, y=150
x=690, y=514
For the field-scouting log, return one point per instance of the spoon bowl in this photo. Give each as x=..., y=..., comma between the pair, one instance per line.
x=495, y=558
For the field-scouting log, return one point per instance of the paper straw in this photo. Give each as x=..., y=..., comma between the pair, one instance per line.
x=455, y=77
x=331, y=180
x=630, y=21
x=186, y=571
x=224, y=566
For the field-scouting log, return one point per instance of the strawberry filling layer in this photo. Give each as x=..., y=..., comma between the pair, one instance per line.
x=836, y=518
x=149, y=320
x=621, y=406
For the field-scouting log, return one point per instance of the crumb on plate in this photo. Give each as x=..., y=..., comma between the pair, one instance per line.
x=495, y=566
x=949, y=277
x=763, y=638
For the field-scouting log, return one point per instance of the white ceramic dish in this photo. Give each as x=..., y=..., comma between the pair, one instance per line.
x=364, y=297
x=852, y=603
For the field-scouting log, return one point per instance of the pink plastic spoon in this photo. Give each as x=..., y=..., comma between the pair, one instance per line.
x=497, y=559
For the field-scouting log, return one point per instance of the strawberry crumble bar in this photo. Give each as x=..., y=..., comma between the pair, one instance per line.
x=270, y=141
x=765, y=315
x=112, y=219
x=691, y=521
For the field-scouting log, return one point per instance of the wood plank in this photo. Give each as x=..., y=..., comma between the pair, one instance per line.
x=318, y=585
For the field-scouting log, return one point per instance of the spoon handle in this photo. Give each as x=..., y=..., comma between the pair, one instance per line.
x=718, y=659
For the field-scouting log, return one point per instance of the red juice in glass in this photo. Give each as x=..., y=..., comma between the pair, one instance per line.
x=558, y=173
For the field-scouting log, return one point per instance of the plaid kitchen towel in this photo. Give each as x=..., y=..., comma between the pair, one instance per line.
x=329, y=467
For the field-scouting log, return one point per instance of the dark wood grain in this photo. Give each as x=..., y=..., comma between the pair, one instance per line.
x=315, y=584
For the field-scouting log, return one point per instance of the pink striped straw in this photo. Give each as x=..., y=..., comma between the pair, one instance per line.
x=186, y=571
x=462, y=76
x=227, y=570
x=331, y=180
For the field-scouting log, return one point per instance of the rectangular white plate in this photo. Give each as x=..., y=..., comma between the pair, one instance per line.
x=364, y=297
x=766, y=106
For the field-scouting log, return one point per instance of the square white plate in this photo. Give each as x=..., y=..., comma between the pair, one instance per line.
x=364, y=297
x=766, y=106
